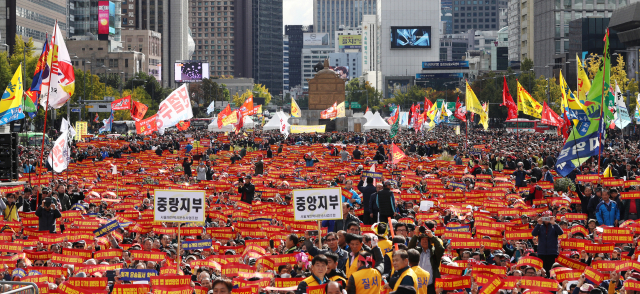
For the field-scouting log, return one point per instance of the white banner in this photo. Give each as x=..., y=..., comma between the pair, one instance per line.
x=175, y=108
x=59, y=155
x=179, y=206
x=317, y=204
x=284, y=126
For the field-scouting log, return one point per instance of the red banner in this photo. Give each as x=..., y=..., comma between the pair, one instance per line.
x=130, y=289
x=138, y=110
x=453, y=283
x=530, y=260
x=593, y=275
x=536, y=283
x=121, y=104
x=147, y=126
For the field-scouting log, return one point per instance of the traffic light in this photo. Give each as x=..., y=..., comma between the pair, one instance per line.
x=9, y=157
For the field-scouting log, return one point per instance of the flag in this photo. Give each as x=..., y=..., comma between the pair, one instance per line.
x=432, y=113
x=474, y=106
x=211, y=107
x=222, y=116
x=367, y=110
x=584, y=84
x=59, y=156
x=622, y=114
x=95, y=119
x=636, y=115
x=295, y=109
x=121, y=104
x=507, y=101
x=173, y=109
x=147, y=126
x=247, y=106
x=284, y=126
x=137, y=111
x=31, y=102
x=65, y=127
x=340, y=110
x=527, y=104
x=584, y=140
x=419, y=122
x=11, y=102
x=330, y=112
x=393, y=116
x=607, y=172
x=395, y=127
x=460, y=111
x=107, y=124
x=42, y=69
x=549, y=117
x=427, y=104
x=573, y=107
x=484, y=119
x=60, y=84
x=183, y=125
x=240, y=121
x=396, y=154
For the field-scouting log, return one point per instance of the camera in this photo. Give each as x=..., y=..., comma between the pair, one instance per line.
x=546, y=219
x=313, y=233
x=423, y=230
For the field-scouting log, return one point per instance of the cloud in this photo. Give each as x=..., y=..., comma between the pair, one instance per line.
x=297, y=12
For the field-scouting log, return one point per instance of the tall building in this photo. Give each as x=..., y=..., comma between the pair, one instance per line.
x=267, y=44
x=330, y=15
x=371, y=50
x=551, y=35
x=150, y=44
x=84, y=18
x=31, y=19
x=285, y=64
x=446, y=16
x=295, y=35
x=520, y=15
x=311, y=57
x=480, y=15
x=213, y=24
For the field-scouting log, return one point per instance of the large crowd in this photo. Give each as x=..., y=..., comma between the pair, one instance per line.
x=482, y=212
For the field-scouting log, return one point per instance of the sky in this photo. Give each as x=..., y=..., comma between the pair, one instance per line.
x=297, y=12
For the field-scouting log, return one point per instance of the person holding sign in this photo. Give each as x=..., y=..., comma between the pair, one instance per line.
x=318, y=272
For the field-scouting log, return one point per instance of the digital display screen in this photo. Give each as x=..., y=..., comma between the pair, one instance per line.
x=188, y=71
x=411, y=37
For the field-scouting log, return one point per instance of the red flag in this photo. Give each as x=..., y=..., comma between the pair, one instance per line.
x=394, y=118
x=121, y=104
x=240, y=122
x=460, y=112
x=330, y=112
x=427, y=104
x=95, y=119
x=138, y=110
x=223, y=114
x=549, y=117
x=507, y=100
x=566, y=127
x=367, y=110
x=183, y=125
x=396, y=154
x=147, y=126
x=247, y=107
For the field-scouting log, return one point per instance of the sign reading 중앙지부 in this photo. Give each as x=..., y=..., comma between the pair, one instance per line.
x=179, y=206
x=317, y=204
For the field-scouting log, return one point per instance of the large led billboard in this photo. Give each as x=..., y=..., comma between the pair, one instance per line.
x=412, y=37
x=188, y=71
x=103, y=17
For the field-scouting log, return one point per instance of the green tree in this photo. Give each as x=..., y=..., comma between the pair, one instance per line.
x=414, y=94
x=138, y=94
x=541, y=89
x=262, y=92
x=363, y=93
x=238, y=100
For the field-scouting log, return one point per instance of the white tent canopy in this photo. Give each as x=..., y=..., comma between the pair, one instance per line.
x=274, y=122
x=368, y=115
x=376, y=123
x=248, y=123
x=213, y=126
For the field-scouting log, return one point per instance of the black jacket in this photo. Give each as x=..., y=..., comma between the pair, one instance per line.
x=366, y=194
x=47, y=219
x=386, y=202
x=247, y=192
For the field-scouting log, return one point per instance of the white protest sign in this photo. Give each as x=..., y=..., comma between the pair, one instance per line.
x=179, y=206
x=317, y=204
x=175, y=108
x=425, y=205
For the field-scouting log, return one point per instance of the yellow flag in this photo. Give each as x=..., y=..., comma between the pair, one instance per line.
x=584, y=85
x=295, y=109
x=341, y=110
x=473, y=105
x=431, y=113
x=529, y=105
x=607, y=173
x=11, y=103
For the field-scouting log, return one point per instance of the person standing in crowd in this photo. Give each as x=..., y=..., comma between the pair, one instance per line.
x=366, y=191
x=259, y=166
x=402, y=274
x=547, y=232
x=366, y=279
x=386, y=202
x=431, y=252
x=607, y=211
x=332, y=242
x=186, y=165
x=422, y=275
x=47, y=214
x=246, y=189
x=202, y=171
x=318, y=274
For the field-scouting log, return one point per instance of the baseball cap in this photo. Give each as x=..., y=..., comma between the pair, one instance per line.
x=586, y=287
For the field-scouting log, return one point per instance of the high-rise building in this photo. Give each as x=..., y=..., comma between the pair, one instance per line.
x=171, y=20
x=446, y=16
x=213, y=24
x=267, y=44
x=551, y=35
x=31, y=19
x=311, y=57
x=285, y=64
x=149, y=43
x=84, y=18
x=330, y=15
x=483, y=15
x=295, y=36
x=520, y=15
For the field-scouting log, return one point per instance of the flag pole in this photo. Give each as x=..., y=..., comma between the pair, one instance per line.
x=601, y=126
x=46, y=107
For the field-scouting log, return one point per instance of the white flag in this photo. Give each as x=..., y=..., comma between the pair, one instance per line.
x=284, y=126
x=175, y=108
x=622, y=118
x=66, y=127
x=58, y=87
x=59, y=155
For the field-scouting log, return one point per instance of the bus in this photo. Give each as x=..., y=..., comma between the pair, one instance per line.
x=123, y=127
x=200, y=123
x=32, y=139
x=528, y=125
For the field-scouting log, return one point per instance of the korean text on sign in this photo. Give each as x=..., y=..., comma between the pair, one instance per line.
x=179, y=206
x=317, y=204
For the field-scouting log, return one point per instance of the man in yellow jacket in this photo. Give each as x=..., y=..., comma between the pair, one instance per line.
x=318, y=272
x=423, y=276
x=402, y=273
x=368, y=278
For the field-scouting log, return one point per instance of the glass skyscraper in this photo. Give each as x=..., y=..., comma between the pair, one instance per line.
x=329, y=15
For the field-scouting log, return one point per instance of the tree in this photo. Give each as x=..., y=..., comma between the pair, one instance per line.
x=593, y=63
x=138, y=94
x=262, y=92
x=414, y=94
x=540, y=93
x=363, y=93
x=238, y=100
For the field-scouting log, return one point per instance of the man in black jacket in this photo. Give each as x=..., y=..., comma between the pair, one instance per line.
x=246, y=190
x=366, y=197
x=386, y=202
x=47, y=214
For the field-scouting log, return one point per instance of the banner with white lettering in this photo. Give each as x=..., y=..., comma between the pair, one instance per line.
x=59, y=155
x=175, y=108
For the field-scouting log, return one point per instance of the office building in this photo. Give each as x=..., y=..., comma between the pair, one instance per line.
x=625, y=22
x=212, y=23
x=521, y=28
x=551, y=36
x=31, y=19
x=295, y=35
x=311, y=57
x=285, y=64
x=330, y=15
x=409, y=35
x=150, y=44
x=476, y=14
x=348, y=40
x=129, y=14
x=371, y=51
x=104, y=60
x=347, y=65
x=84, y=19
x=446, y=16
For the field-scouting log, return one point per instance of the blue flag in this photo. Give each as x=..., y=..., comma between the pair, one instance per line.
x=107, y=124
